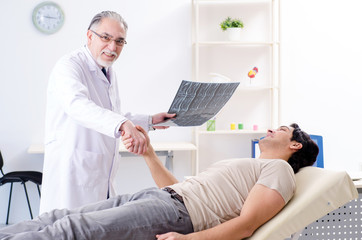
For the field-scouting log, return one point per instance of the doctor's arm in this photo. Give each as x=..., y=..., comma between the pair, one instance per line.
x=67, y=89
x=159, y=172
x=260, y=206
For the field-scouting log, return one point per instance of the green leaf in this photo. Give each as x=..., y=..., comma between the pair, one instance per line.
x=231, y=23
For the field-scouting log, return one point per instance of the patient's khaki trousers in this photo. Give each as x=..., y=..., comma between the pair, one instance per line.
x=137, y=216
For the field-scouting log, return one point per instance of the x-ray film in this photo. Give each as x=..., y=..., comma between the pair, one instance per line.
x=197, y=102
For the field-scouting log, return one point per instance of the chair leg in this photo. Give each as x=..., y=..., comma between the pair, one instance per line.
x=27, y=198
x=38, y=190
x=7, y=216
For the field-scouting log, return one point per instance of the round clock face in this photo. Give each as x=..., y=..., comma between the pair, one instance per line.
x=48, y=17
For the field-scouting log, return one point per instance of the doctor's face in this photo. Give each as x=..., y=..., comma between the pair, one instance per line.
x=106, y=41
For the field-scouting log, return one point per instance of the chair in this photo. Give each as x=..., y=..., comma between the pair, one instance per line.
x=319, y=141
x=21, y=177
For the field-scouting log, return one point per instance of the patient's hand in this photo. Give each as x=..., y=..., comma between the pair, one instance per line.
x=137, y=142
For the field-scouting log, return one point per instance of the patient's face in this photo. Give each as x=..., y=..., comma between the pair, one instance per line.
x=279, y=138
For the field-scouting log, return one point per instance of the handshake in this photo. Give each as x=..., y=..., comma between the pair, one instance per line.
x=136, y=139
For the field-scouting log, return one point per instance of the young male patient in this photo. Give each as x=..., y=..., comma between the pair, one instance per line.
x=230, y=200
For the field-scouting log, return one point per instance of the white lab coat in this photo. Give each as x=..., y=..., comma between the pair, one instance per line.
x=81, y=133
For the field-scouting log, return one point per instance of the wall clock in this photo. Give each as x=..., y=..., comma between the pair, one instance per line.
x=48, y=17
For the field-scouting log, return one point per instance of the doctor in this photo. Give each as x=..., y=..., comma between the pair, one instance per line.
x=84, y=120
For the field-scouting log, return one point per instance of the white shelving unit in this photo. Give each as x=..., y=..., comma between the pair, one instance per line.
x=256, y=101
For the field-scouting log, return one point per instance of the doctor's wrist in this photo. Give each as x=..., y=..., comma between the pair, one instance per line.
x=150, y=124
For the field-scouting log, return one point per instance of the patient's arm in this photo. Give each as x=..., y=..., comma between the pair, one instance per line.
x=159, y=172
x=261, y=205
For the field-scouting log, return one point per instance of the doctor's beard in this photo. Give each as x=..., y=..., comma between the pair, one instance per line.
x=103, y=63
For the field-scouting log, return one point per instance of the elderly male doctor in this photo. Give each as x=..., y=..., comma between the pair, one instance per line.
x=84, y=120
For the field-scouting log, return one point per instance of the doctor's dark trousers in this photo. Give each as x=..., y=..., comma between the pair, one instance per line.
x=134, y=216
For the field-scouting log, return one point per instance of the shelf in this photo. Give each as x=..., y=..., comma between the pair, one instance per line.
x=255, y=101
x=235, y=43
x=235, y=132
x=254, y=88
x=157, y=146
x=244, y=88
x=223, y=2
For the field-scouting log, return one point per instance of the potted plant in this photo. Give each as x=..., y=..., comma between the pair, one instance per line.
x=233, y=26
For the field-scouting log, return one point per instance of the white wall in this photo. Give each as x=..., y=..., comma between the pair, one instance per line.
x=321, y=74
x=150, y=70
x=321, y=81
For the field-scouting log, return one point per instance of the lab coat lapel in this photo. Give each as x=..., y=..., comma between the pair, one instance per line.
x=93, y=66
x=113, y=91
x=113, y=88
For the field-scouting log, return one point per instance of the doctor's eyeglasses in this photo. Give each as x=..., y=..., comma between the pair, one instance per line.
x=108, y=39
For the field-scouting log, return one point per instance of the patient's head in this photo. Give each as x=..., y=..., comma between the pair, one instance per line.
x=305, y=156
x=291, y=144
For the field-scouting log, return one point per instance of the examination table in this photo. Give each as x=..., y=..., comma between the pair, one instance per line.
x=318, y=192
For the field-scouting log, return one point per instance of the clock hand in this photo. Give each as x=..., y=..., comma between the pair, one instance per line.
x=50, y=17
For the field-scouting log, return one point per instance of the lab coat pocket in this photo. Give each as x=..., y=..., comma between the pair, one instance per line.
x=87, y=168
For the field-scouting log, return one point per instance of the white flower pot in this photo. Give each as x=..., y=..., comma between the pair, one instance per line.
x=234, y=34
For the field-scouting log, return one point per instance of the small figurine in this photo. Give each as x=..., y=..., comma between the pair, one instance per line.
x=252, y=73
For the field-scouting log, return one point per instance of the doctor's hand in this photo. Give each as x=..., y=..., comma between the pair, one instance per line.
x=127, y=141
x=136, y=142
x=160, y=118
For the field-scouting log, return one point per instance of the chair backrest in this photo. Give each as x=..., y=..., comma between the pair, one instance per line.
x=1, y=163
x=255, y=151
x=320, y=160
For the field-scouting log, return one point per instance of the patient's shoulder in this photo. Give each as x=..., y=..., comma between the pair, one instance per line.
x=278, y=175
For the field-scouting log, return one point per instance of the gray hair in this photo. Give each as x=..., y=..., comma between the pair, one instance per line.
x=107, y=14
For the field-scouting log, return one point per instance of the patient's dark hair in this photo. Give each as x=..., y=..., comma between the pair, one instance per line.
x=305, y=156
